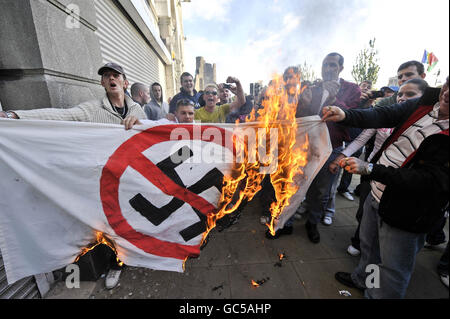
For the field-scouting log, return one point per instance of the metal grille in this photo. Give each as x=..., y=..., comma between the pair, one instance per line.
x=121, y=43
x=25, y=288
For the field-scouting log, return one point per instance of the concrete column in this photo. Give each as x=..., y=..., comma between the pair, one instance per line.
x=49, y=55
x=172, y=83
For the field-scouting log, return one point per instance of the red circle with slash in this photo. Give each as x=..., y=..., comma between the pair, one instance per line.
x=130, y=154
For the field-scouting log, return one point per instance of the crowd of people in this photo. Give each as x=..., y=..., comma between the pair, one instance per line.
x=395, y=138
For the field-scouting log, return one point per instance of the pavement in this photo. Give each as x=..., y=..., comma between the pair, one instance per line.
x=241, y=253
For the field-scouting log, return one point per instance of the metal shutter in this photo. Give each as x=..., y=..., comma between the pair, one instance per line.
x=121, y=43
x=25, y=288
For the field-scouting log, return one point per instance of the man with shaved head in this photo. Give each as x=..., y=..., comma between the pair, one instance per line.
x=140, y=93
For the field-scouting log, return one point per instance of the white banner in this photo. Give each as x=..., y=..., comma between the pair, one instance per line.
x=61, y=182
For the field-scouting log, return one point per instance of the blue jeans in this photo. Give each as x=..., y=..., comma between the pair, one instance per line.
x=392, y=249
x=398, y=249
x=330, y=199
x=320, y=197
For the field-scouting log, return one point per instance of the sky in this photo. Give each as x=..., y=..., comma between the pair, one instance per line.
x=253, y=39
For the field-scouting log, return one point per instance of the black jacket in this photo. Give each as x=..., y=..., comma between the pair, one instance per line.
x=417, y=193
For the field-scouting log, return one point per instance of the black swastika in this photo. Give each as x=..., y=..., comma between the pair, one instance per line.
x=158, y=215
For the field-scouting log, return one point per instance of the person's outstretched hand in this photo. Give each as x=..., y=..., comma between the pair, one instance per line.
x=332, y=114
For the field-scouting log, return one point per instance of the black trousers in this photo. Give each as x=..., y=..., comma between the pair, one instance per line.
x=364, y=192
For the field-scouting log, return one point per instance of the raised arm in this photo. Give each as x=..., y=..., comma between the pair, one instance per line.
x=388, y=116
x=238, y=91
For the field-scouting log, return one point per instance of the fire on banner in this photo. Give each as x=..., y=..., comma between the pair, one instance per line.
x=152, y=190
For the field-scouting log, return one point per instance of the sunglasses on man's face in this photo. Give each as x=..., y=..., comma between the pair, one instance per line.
x=210, y=93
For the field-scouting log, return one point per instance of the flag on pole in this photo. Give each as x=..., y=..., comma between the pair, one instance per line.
x=425, y=57
x=432, y=61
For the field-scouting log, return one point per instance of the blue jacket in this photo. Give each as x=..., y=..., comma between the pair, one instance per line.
x=183, y=95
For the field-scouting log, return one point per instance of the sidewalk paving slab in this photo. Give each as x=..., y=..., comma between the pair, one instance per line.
x=241, y=253
x=319, y=282
x=275, y=282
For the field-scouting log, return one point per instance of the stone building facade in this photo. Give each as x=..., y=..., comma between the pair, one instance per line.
x=51, y=49
x=205, y=73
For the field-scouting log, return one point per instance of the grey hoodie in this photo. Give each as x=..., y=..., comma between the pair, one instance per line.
x=155, y=110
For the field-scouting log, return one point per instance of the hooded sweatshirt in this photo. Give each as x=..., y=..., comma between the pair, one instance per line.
x=156, y=110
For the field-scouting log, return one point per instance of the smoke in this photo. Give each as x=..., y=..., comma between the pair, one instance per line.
x=325, y=26
x=262, y=37
x=293, y=32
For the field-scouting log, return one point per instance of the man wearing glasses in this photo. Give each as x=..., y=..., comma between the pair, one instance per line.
x=211, y=112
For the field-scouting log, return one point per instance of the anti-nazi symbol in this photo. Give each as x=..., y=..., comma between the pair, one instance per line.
x=157, y=215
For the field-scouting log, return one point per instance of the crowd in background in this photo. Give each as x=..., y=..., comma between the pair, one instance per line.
x=394, y=138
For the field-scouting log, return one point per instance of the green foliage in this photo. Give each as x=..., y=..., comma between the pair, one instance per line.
x=307, y=73
x=366, y=65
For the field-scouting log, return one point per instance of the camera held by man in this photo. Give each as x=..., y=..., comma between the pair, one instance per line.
x=385, y=91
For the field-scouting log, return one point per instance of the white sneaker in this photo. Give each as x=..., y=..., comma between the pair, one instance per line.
x=112, y=278
x=348, y=196
x=327, y=220
x=444, y=280
x=264, y=220
x=353, y=251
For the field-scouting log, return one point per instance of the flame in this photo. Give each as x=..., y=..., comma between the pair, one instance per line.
x=184, y=263
x=281, y=256
x=100, y=238
x=244, y=182
x=259, y=282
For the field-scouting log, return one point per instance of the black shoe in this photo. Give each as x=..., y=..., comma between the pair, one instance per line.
x=313, y=233
x=228, y=221
x=223, y=223
x=286, y=230
x=435, y=238
x=433, y=243
x=345, y=278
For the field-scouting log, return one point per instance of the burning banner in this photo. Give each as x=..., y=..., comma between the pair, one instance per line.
x=155, y=191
